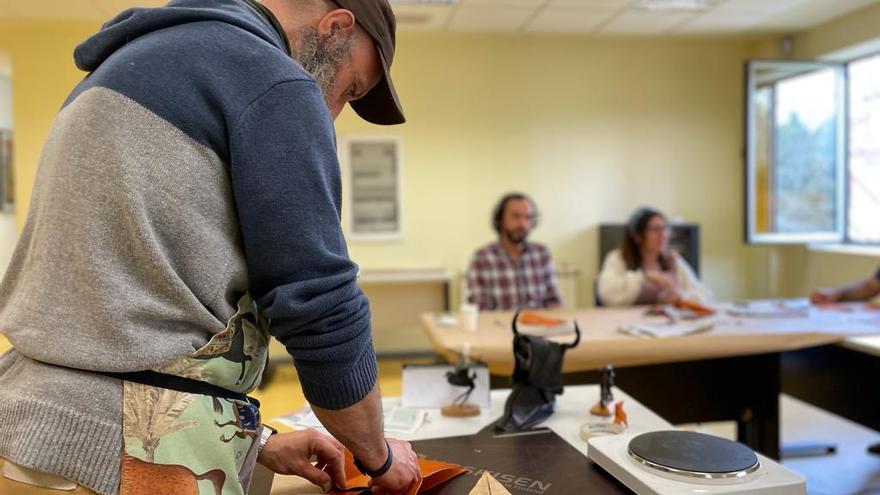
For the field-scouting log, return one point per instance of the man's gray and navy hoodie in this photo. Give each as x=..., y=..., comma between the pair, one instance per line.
x=195, y=161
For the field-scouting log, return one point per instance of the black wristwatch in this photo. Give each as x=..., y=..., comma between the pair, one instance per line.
x=382, y=470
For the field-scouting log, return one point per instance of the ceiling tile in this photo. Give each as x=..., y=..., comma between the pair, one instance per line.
x=554, y=20
x=810, y=13
x=721, y=22
x=422, y=17
x=490, y=19
x=642, y=22
x=767, y=7
x=503, y=3
x=616, y=4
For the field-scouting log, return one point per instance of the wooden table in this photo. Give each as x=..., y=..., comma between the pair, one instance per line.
x=570, y=414
x=731, y=372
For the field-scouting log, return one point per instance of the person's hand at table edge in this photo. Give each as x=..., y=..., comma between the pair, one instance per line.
x=291, y=454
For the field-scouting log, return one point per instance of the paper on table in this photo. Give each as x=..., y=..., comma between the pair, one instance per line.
x=660, y=330
x=782, y=308
x=425, y=386
x=397, y=419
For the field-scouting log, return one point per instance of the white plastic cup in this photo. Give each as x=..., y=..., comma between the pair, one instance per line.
x=470, y=316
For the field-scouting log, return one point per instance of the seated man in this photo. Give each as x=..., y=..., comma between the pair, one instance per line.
x=512, y=273
x=862, y=290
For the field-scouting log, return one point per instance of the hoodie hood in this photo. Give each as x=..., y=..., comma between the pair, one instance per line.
x=134, y=23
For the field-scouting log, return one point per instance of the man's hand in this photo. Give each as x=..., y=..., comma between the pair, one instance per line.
x=404, y=470
x=823, y=296
x=291, y=454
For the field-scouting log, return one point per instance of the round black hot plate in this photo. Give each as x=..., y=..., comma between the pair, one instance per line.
x=694, y=455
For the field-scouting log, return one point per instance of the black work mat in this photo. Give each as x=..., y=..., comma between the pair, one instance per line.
x=535, y=464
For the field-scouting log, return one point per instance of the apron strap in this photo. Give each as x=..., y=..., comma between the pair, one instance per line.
x=180, y=384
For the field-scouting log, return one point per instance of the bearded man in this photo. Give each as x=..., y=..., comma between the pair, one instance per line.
x=513, y=273
x=186, y=210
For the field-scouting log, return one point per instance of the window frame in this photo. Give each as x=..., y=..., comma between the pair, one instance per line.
x=847, y=240
x=751, y=236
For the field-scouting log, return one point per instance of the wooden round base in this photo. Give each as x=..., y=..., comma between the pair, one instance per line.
x=461, y=410
x=599, y=410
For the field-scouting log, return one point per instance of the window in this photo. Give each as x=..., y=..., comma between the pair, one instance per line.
x=864, y=150
x=795, y=152
x=813, y=152
x=373, y=202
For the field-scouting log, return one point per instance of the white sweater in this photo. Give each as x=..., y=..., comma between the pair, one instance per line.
x=618, y=286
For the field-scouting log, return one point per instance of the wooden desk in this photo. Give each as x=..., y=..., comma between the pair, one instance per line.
x=570, y=414
x=602, y=343
x=729, y=373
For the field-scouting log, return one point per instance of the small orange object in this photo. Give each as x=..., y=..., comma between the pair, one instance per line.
x=532, y=318
x=695, y=307
x=434, y=473
x=620, y=415
x=600, y=410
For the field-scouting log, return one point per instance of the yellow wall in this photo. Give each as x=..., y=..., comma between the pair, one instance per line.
x=591, y=127
x=852, y=29
x=42, y=75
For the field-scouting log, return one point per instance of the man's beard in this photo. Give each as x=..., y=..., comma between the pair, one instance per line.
x=322, y=58
x=517, y=236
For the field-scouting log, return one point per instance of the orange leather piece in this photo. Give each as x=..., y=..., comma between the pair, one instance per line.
x=695, y=307
x=434, y=473
x=532, y=318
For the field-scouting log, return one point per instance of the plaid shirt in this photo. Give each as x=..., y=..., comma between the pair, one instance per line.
x=495, y=281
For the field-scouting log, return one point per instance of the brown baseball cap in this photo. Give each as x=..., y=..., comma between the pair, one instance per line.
x=380, y=105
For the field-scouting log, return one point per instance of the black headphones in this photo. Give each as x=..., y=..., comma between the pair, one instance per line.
x=498, y=212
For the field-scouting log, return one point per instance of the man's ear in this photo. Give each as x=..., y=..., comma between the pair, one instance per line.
x=342, y=19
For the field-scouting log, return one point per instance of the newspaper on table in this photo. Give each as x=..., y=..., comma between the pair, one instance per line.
x=663, y=330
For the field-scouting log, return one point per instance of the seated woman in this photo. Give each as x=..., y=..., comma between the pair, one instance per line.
x=643, y=270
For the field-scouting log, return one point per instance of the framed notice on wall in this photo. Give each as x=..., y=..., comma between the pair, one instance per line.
x=373, y=208
x=7, y=179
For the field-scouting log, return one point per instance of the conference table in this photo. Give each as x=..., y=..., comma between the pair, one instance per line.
x=571, y=413
x=730, y=372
